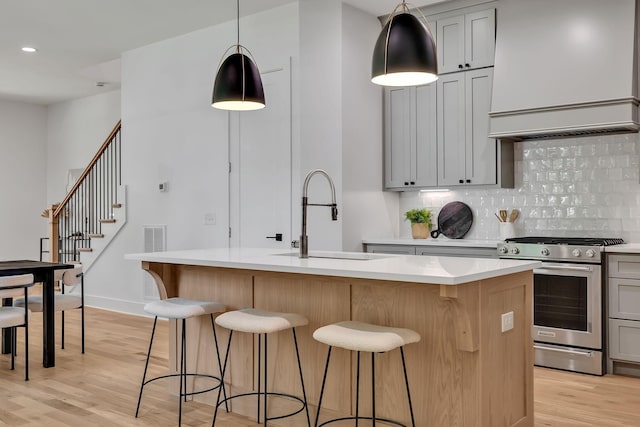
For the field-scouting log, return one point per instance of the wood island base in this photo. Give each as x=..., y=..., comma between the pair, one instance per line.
x=464, y=372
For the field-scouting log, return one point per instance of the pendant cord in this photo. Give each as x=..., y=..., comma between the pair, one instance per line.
x=238, y=21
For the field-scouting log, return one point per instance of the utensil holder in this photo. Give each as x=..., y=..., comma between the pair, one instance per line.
x=507, y=230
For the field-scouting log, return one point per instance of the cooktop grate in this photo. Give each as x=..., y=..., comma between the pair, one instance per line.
x=583, y=241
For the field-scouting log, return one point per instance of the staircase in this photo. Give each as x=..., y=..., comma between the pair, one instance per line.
x=93, y=212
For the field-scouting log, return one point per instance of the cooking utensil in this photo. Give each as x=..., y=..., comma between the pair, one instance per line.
x=513, y=216
x=454, y=221
x=499, y=219
x=503, y=215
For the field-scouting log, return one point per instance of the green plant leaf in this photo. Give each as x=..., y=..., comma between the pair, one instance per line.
x=419, y=216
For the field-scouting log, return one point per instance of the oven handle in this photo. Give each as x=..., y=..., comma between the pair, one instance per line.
x=562, y=350
x=565, y=267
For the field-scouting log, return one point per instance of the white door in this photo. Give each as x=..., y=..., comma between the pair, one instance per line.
x=260, y=181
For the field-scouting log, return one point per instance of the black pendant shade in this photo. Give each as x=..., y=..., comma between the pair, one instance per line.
x=404, y=54
x=238, y=85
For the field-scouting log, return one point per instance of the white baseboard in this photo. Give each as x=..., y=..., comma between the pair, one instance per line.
x=112, y=304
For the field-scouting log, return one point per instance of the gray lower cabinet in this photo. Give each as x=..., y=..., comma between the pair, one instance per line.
x=456, y=251
x=623, y=285
x=624, y=340
x=391, y=249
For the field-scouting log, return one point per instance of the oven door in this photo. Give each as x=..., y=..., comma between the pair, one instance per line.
x=567, y=305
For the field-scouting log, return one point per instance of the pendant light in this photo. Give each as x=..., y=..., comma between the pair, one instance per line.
x=238, y=86
x=405, y=53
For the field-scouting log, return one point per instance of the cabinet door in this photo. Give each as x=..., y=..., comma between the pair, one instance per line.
x=457, y=251
x=424, y=170
x=391, y=249
x=624, y=266
x=624, y=340
x=481, y=151
x=624, y=298
x=398, y=137
x=480, y=38
x=451, y=129
x=450, y=44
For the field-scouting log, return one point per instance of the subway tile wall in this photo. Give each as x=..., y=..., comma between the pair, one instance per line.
x=587, y=186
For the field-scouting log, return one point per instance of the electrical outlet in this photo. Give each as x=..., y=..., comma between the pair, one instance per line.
x=210, y=218
x=507, y=321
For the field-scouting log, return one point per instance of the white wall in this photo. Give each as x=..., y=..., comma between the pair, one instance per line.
x=75, y=131
x=320, y=114
x=171, y=133
x=22, y=174
x=366, y=210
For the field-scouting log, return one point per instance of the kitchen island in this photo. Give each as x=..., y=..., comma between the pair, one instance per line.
x=464, y=372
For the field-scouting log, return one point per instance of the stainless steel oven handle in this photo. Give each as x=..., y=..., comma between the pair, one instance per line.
x=563, y=350
x=567, y=267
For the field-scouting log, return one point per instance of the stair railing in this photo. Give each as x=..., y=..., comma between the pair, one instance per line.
x=89, y=203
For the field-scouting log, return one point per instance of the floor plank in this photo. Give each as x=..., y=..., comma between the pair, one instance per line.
x=100, y=387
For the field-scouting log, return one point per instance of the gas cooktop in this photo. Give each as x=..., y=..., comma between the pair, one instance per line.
x=581, y=241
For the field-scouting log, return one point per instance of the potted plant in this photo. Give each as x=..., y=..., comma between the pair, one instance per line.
x=420, y=222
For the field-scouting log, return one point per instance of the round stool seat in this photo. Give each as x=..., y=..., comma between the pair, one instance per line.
x=182, y=308
x=360, y=336
x=256, y=321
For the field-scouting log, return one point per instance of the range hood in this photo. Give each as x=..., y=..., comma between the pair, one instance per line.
x=565, y=68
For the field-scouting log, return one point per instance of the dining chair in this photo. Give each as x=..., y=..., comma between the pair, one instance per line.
x=65, y=299
x=14, y=317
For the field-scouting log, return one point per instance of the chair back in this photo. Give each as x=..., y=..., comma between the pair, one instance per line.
x=71, y=277
x=13, y=286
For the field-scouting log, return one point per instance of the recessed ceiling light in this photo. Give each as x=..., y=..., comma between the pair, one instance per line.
x=29, y=49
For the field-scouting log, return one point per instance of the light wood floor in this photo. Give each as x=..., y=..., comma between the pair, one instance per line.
x=100, y=388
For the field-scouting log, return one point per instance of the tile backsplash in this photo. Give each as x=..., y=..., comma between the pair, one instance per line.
x=587, y=186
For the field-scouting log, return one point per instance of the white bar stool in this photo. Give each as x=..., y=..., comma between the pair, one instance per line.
x=260, y=322
x=359, y=336
x=182, y=309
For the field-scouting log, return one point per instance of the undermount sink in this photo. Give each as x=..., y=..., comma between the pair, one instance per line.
x=354, y=256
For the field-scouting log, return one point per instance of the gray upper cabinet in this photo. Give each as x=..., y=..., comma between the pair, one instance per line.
x=466, y=42
x=437, y=135
x=410, y=138
x=466, y=155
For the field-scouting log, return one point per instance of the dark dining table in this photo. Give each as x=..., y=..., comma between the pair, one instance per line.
x=42, y=272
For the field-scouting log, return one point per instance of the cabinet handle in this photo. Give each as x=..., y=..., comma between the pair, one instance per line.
x=468, y=181
x=460, y=66
x=461, y=181
x=467, y=65
x=413, y=183
x=406, y=183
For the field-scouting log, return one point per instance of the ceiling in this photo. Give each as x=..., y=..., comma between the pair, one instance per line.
x=79, y=42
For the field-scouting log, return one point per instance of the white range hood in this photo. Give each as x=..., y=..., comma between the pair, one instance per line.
x=564, y=68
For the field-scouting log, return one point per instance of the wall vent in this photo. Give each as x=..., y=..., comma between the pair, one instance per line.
x=155, y=240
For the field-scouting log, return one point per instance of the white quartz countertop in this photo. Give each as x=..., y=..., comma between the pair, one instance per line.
x=405, y=268
x=629, y=248
x=440, y=241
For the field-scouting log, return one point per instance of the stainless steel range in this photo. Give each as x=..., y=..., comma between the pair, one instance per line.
x=567, y=299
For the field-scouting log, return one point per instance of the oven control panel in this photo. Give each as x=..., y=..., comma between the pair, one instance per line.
x=555, y=252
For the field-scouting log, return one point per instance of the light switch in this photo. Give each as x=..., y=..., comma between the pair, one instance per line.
x=210, y=218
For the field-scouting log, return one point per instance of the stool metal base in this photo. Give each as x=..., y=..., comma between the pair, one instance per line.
x=263, y=394
x=357, y=417
x=183, y=367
